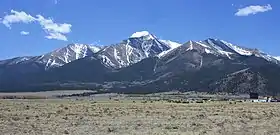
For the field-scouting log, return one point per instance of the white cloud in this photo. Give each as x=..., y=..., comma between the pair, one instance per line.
x=57, y=36
x=24, y=33
x=17, y=17
x=254, y=9
x=49, y=25
x=54, y=30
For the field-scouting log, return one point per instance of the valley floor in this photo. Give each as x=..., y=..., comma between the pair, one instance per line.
x=83, y=117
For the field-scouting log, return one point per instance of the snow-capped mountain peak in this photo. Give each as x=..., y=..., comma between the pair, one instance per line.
x=229, y=49
x=139, y=46
x=79, y=49
x=223, y=48
x=249, y=52
x=141, y=34
x=67, y=54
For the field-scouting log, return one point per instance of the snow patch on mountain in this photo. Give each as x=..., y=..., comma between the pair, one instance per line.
x=237, y=49
x=172, y=46
x=128, y=52
x=65, y=55
x=208, y=51
x=16, y=60
x=200, y=43
x=277, y=58
x=107, y=61
x=94, y=48
x=164, y=53
x=52, y=62
x=118, y=58
x=226, y=53
x=142, y=34
x=19, y=60
x=214, y=45
x=80, y=50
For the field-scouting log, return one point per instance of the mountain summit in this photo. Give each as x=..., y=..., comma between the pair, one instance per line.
x=139, y=46
x=142, y=34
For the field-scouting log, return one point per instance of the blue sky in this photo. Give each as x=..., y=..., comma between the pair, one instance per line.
x=109, y=21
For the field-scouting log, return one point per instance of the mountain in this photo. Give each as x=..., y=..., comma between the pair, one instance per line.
x=223, y=48
x=15, y=69
x=143, y=64
x=67, y=54
x=203, y=66
x=55, y=58
x=139, y=46
x=119, y=55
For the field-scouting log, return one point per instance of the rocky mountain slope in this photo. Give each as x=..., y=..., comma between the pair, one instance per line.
x=143, y=63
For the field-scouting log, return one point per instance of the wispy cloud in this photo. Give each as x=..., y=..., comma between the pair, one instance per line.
x=56, y=1
x=53, y=30
x=253, y=9
x=24, y=33
x=17, y=17
x=96, y=43
x=57, y=36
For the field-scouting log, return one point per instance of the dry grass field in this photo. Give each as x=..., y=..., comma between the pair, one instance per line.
x=40, y=117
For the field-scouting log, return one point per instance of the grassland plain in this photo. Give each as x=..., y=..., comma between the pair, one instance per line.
x=40, y=117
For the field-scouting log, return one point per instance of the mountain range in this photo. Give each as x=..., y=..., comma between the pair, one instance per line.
x=144, y=63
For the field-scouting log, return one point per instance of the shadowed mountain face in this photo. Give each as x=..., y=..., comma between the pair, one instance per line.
x=144, y=64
